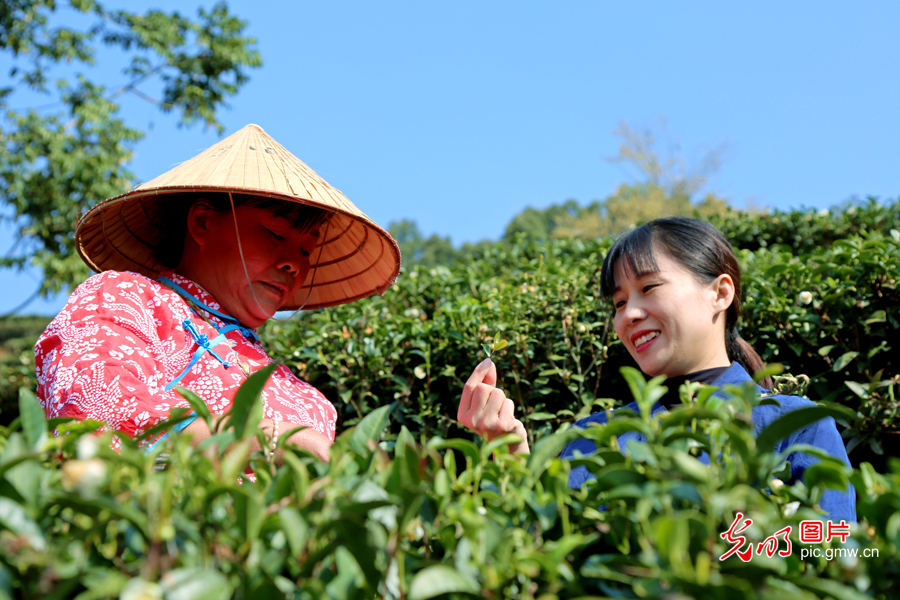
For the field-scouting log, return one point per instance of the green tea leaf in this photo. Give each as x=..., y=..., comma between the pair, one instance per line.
x=14, y=517
x=369, y=429
x=295, y=529
x=784, y=426
x=465, y=446
x=197, y=403
x=844, y=360
x=824, y=350
x=436, y=580
x=196, y=584
x=879, y=316
x=244, y=410
x=540, y=416
x=550, y=447
x=34, y=422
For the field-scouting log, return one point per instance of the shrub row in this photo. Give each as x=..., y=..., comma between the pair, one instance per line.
x=17, y=338
x=831, y=314
x=419, y=518
x=825, y=305
x=805, y=230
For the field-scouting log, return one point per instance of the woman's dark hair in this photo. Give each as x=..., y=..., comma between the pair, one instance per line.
x=173, y=212
x=701, y=249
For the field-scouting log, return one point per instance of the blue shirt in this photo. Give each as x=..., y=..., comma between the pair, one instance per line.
x=821, y=434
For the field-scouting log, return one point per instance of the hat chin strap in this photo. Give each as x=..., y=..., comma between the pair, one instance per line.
x=247, y=273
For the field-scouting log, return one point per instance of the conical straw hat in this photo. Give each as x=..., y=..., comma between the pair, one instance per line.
x=356, y=258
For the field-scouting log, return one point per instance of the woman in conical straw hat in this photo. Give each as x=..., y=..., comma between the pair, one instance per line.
x=190, y=265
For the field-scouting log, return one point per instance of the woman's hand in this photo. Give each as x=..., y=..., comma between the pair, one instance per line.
x=487, y=411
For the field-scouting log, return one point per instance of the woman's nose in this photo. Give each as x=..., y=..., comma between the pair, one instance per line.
x=291, y=264
x=634, y=312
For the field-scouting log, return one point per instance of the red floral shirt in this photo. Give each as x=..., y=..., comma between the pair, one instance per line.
x=119, y=340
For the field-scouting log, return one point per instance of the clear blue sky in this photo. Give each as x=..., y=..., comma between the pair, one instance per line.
x=458, y=115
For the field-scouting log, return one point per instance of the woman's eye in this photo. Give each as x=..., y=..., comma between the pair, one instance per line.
x=647, y=288
x=274, y=235
x=619, y=304
x=304, y=252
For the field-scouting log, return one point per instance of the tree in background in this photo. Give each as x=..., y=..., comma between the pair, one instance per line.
x=62, y=157
x=665, y=168
x=540, y=223
x=416, y=249
x=666, y=186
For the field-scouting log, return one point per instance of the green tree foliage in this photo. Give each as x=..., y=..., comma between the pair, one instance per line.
x=540, y=224
x=416, y=249
x=665, y=187
x=56, y=162
x=398, y=516
x=659, y=160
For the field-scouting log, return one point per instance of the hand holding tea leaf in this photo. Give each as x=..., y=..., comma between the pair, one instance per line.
x=486, y=410
x=497, y=344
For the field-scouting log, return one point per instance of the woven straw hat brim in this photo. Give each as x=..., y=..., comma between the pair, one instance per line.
x=354, y=259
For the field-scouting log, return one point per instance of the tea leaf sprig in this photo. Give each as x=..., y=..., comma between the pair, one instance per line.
x=497, y=344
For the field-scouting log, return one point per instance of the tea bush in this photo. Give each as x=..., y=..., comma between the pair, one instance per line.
x=17, y=338
x=417, y=344
x=802, y=231
x=418, y=518
x=834, y=315
x=831, y=314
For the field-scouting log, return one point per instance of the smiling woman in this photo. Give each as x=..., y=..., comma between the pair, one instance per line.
x=675, y=284
x=191, y=264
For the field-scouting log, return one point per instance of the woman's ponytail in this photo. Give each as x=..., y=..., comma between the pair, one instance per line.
x=741, y=352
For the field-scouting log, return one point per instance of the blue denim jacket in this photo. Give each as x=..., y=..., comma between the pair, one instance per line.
x=822, y=434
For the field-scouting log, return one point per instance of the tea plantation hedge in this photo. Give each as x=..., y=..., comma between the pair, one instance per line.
x=407, y=518
x=411, y=506
x=805, y=230
x=831, y=314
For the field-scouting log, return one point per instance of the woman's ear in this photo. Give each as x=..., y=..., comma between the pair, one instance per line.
x=723, y=288
x=199, y=221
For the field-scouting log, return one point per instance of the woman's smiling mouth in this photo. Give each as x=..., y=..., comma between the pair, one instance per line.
x=643, y=339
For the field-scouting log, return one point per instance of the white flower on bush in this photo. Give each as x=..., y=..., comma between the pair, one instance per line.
x=87, y=447
x=419, y=372
x=805, y=297
x=83, y=476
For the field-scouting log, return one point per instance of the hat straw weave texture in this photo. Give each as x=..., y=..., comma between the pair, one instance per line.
x=356, y=258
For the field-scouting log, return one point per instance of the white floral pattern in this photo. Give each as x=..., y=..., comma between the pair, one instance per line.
x=119, y=340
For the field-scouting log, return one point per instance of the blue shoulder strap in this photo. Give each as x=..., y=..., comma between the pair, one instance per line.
x=204, y=344
x=232, y=323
